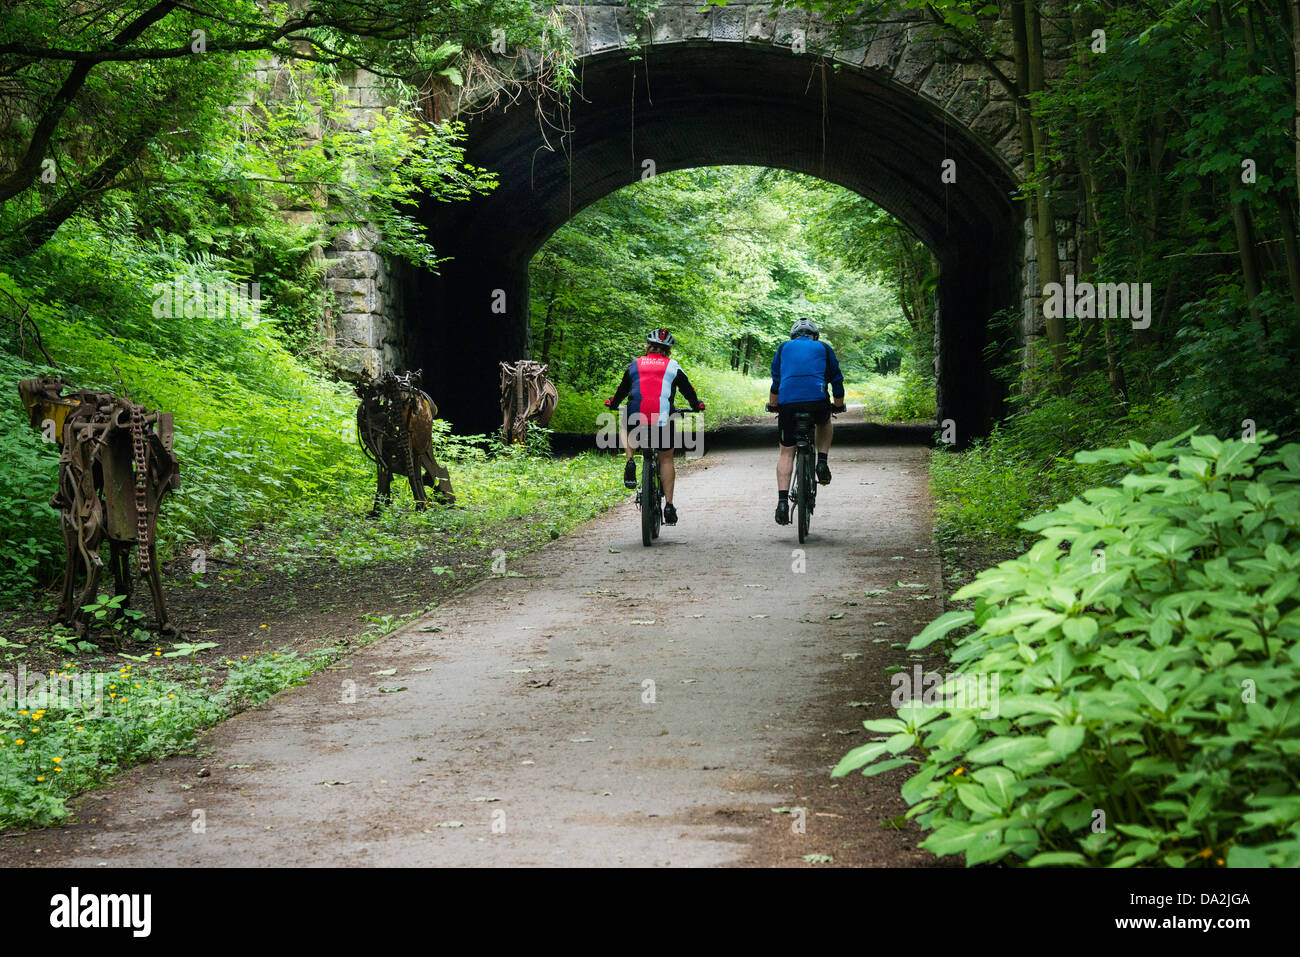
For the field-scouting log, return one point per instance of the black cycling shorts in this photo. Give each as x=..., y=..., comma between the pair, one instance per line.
x=642, y=434
x=820, y=408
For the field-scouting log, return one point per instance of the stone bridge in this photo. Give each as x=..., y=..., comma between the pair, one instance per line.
x=878, y=108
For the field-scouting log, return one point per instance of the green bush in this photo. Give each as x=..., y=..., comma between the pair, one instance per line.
x=1027, y=464
x=915, y=401
x=30, y=541
x=578, y=411
x=1145, y=670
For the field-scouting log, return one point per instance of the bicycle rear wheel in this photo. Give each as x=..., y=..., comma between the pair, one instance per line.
x=802, y=470
x=649, y=506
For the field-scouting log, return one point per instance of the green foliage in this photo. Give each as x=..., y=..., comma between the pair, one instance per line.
x=30, y=541
x=726, y=258
x=1145, y=650
x=915, y=399
x=579, y=411
x=105, y=721
x=1027, y=464
x=141, y=113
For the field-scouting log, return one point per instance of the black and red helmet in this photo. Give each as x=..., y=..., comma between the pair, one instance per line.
x=660, y=337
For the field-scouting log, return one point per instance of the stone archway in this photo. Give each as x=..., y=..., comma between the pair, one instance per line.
x=727, y=87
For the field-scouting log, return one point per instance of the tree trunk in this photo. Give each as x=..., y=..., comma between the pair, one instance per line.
x=1028, y=41
x=36, y=231
x=1249, y=261
x=1295, y=66
x=1286, y=214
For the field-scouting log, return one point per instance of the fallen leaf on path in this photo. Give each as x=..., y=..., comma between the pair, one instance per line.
x=386, y=671
x=392, y=690
x=880, y=624
x=540, y=684
x=858, y=704
x=849, y=731
x=450, y=824
x=430, y=628
x=835, y=616
x=487, y=800
x=898, y=584
x=819, y=859
x=851, y=655
x=520, y=671
x=873, y=592
x=646, y=621
x=614, y=551
x=240, y=767
x=527, y=762
x=689, y=681
x=787, y=810
x=333, y=784
x=758, y=616
x=582, y=740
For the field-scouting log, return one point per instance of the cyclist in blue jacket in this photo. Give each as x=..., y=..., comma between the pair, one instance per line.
x=801, y=370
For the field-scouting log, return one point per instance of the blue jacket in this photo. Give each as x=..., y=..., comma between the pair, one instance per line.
x=801, y=369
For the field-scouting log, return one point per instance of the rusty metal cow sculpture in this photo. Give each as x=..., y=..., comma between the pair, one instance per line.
x=395, y=428
x=526, y=396
x=115, y=468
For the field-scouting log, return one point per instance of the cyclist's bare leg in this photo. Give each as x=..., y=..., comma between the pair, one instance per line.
x=784, y=467
x=627, y=446
x=667, y=474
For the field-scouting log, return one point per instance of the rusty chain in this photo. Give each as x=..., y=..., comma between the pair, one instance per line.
x=140, y=455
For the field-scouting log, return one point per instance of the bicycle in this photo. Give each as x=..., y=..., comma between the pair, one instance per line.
x=650, y=493
x=803, y=480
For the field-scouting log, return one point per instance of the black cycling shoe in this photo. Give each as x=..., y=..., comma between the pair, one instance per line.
x=823, y=473
x=629, y=473
x=670, y=514
x=783, y=513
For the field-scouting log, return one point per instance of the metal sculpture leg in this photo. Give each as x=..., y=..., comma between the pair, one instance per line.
x=437, y=477
x=383, y=489
x=416, y=478
x=155, y=587
x=70, y=554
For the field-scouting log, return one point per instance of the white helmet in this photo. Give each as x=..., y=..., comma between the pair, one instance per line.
x=805, y=327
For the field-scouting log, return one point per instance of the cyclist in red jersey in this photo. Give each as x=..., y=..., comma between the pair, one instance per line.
x=649, y=384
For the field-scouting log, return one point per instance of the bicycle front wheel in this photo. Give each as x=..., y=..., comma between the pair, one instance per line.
x=649, y=506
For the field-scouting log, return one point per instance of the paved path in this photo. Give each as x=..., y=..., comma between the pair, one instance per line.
x=527, y=714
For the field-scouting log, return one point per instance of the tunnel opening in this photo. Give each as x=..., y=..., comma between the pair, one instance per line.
x=687, y=106
x=728, y=259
